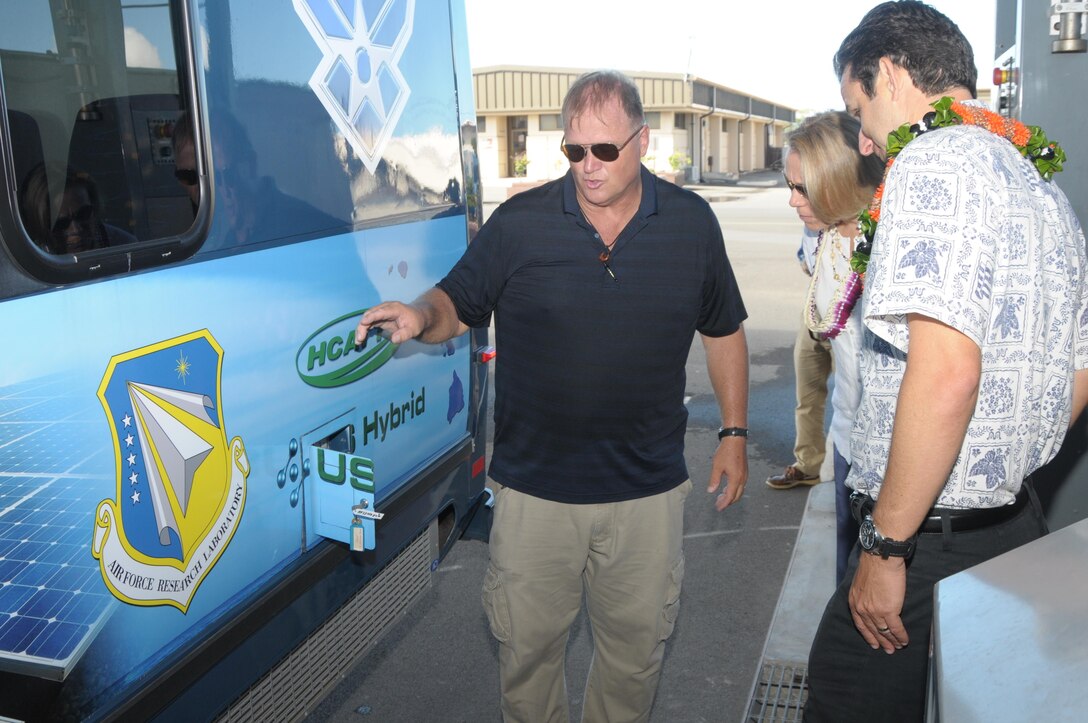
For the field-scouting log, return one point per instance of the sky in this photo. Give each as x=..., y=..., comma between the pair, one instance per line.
x=778, y=50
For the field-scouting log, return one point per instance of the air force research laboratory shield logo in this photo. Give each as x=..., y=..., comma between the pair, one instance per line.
x=181, y=486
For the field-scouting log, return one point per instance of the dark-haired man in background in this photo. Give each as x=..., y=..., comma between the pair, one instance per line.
x=973, y=360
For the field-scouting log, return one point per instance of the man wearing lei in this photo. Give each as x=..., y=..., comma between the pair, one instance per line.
x=973, y=356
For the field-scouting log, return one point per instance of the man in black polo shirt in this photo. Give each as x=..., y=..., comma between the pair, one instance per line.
x=598, y=282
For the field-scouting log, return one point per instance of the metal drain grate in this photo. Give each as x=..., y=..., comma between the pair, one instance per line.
x=780, y=694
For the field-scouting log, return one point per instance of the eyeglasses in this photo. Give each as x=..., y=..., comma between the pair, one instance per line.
x=607, y=152
x=796, y=187
x=186, y=176
x=81, y=216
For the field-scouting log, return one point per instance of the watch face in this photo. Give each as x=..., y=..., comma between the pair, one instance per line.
x=867, y=534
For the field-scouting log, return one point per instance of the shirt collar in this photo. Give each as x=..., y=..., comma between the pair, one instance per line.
x=647, y=205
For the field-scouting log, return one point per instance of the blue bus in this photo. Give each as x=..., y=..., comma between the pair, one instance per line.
x=212, y=495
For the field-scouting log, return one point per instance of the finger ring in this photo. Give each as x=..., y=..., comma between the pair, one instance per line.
x=883, y=630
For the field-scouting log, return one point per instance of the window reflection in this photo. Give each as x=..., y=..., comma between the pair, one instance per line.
x=66, y=219
x=93, y=98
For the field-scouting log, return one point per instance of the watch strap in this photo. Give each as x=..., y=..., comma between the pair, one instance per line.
x=724, y=432
x=894, y=548
x=886, y=547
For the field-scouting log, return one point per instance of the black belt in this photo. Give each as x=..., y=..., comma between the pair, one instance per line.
x=959, y=520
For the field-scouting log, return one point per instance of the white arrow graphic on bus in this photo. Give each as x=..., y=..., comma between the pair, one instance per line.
x=172, y=449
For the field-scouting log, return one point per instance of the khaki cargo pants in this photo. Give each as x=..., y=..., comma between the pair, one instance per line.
x=628, y=558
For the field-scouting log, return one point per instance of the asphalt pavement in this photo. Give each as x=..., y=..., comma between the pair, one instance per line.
x=439, y=662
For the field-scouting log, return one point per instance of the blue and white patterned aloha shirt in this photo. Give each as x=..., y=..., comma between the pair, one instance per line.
x=972, y=236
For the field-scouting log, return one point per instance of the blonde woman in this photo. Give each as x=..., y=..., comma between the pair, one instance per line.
x=830, y=182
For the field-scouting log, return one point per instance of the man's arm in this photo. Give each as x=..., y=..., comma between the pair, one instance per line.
x=432, y=318
x=727, y=366
x=1080, y=394
x=936, y=402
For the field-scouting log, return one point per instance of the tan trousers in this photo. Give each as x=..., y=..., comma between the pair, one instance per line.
x=812, y=367
x=627, y=557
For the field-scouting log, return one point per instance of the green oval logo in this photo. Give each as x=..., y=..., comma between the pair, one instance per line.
x=330, y=358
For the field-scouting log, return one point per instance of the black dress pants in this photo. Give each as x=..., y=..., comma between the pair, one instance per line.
x=848, y=680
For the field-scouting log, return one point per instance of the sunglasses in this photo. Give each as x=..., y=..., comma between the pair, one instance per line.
x=796, y=187
x=186, y=176
x=606, y=152
x=81, y=216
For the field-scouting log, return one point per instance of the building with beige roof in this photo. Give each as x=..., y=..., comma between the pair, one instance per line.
x=709, y=130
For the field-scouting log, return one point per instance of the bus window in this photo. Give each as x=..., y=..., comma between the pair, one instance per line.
x=93, y=94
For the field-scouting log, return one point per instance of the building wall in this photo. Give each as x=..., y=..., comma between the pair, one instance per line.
x=725, y=144
x=491, y=146
x=739, y=147
x=753, y=145
x=665, y=142
x=546, y=160
x=730, y=151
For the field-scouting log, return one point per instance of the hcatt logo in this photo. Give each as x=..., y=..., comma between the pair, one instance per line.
x=358, y=80
x=332, y=358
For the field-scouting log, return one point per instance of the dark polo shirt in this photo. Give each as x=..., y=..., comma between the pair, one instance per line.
x=589, y=378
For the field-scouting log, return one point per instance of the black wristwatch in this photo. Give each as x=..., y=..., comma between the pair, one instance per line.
x=874, y=543
x=724, y=432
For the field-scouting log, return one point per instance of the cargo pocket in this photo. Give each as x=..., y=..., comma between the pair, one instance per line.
x=672, y=598
x=495, y=605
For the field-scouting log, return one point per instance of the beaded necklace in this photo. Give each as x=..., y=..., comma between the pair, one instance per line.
x=843, y=300
x=1046, y=155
